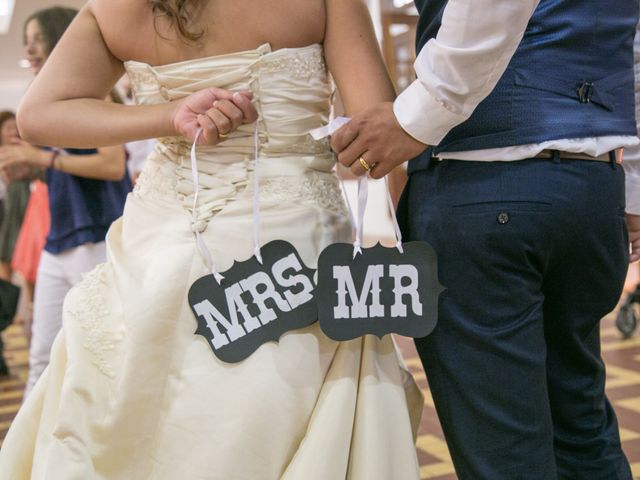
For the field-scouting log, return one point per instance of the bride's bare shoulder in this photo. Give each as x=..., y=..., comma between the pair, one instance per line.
x=120, y=10
x=126, y=25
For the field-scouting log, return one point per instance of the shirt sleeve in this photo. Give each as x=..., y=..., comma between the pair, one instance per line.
x=462, y=65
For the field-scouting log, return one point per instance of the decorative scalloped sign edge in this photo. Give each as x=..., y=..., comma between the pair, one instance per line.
x=380, y=291
x=254, y=303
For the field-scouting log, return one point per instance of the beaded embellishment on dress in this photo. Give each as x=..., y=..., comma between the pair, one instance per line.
x=90, y=312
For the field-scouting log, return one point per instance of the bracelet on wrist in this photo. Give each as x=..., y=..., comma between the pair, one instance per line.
x=52, y=159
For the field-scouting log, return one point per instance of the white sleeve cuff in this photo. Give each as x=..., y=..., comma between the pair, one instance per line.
x=422, y=116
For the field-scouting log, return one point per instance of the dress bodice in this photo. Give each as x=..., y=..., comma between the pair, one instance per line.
x=292, y=94
x=291, y=90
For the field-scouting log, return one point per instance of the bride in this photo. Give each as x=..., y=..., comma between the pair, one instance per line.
x=131, y=392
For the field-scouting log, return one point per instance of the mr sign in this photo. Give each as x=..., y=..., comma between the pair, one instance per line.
x=378, y=292
x=254, y=303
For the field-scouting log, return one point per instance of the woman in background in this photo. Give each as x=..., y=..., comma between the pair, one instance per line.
x=86, y=191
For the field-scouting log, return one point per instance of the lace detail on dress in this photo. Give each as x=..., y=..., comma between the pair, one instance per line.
x=306, y=146
x=300, y=65
x=143, y=80
x=141, y=76
x=156, y=183
x=177, y=145
x=90, y=312
x=316, y=189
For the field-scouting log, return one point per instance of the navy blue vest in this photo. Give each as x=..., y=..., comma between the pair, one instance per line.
x=571, y=77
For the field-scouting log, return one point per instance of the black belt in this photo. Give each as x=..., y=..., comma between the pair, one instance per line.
x=612, y=156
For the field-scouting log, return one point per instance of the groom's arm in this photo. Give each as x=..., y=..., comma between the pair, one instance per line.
x=455, y=72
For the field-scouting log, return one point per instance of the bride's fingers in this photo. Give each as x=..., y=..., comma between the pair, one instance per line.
x=243, y=102
x=231, y=111
x=221, y=121
x=220, y=94
x=209, y=134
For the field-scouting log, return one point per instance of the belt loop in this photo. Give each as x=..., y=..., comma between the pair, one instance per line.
x=555, y=156
x=612, y=159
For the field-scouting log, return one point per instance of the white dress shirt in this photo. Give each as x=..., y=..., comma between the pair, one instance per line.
x=462, y=65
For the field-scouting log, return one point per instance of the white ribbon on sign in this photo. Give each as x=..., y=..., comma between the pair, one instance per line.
x=363, y=196
x=256, y=198
x=201, y=244
x=363, y=192
x=392, y=212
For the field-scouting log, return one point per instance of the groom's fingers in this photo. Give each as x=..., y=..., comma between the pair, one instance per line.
x=359, y=167
x=348, y=155
x=344, y=137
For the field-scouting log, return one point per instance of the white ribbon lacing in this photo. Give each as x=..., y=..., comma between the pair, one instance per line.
x=356, y=222
x=363, y=193
x=201, y=244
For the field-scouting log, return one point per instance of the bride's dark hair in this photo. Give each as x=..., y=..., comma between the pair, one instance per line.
x=179, y=14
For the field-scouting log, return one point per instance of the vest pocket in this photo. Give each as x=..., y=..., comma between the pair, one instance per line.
x=499, y=207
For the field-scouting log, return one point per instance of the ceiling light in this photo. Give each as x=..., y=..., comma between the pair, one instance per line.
x=6, y=12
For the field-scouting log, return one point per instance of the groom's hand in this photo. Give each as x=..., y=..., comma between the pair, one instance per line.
x=374, y=138
x=633, y=226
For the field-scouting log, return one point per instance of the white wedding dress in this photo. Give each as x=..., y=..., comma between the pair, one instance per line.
x=132, y=393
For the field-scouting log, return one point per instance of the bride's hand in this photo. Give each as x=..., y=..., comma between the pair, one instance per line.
x=218, y=112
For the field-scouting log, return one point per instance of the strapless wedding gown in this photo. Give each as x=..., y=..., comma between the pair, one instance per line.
x=131, y=393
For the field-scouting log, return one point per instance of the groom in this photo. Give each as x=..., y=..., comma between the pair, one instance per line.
x=525, y=105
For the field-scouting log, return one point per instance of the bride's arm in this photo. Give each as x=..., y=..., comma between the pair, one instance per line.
x=355, y=61
x=353, y=56
x=64, y=106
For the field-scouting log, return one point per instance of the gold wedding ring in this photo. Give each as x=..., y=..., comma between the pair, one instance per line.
x=222, y=136
x=364, y=164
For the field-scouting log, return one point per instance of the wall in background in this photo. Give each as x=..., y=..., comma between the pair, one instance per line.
x=13, y=79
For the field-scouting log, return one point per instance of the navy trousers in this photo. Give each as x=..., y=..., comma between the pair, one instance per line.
x=533, y=254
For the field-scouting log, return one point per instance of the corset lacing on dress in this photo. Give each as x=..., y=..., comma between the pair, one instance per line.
x=291, y=90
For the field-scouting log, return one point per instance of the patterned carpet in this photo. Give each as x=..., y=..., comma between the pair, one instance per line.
x=622, y=358
x=623, y=387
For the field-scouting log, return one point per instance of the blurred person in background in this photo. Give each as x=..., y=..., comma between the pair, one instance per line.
x=15, y=199
x=11, y=205
x=87, y=189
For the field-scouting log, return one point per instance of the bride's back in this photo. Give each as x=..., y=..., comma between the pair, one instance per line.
x=132, y=31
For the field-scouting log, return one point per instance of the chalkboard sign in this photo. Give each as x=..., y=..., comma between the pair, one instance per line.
x=380, y=291
x=254, y=303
